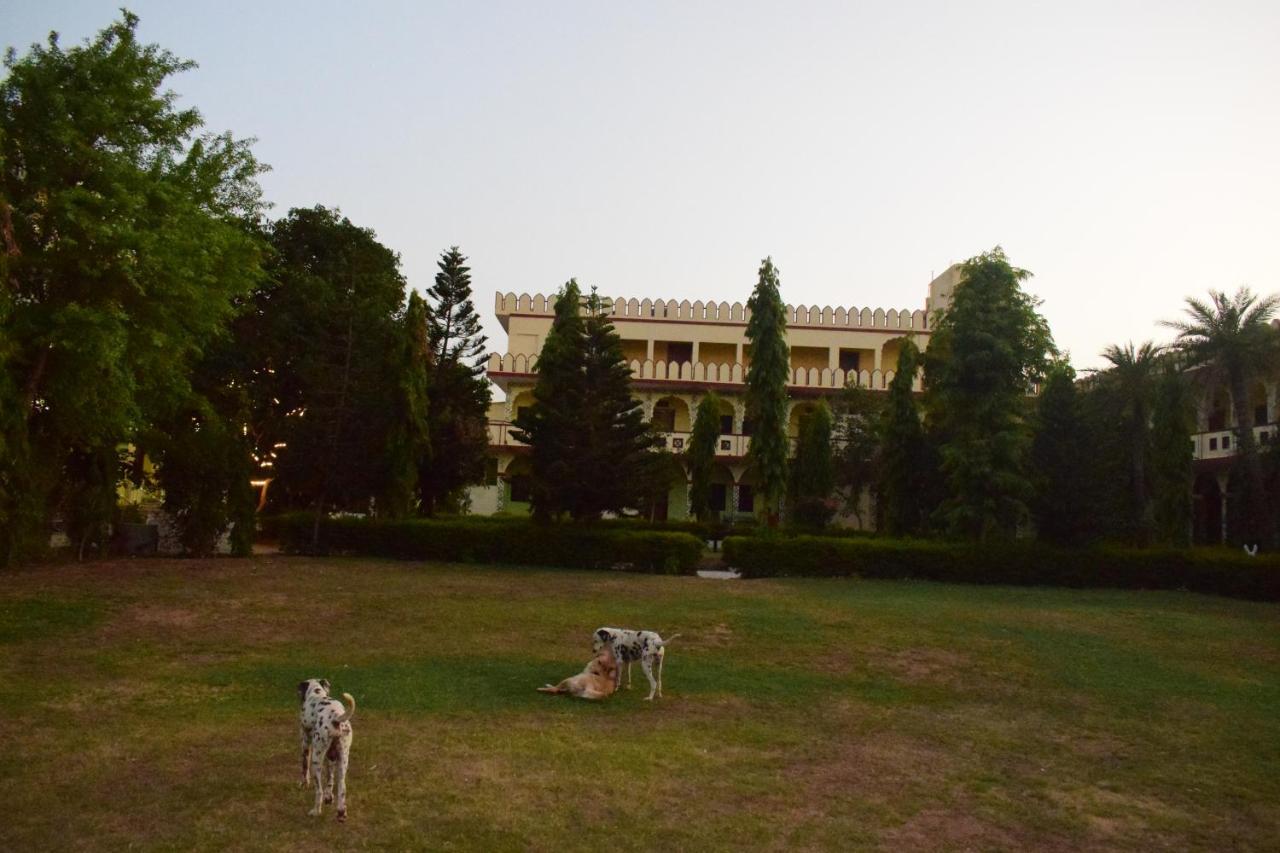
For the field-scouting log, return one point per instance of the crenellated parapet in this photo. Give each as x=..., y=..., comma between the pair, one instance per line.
x=670, y=310
x=715, y=374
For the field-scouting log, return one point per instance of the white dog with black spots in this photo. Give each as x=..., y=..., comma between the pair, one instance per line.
x=326, y=741
x=629, y=646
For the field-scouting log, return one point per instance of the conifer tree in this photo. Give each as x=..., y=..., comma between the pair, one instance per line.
x=701, y=454
x=902, y=470
x=459, y=391
x=1172, y=419
x=551, y=425
x=409, y=441
x=1063, y=505
x=985, y=353
x=813, y=471
x=766, y=393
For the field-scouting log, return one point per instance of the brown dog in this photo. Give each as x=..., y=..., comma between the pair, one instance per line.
x=597, y=681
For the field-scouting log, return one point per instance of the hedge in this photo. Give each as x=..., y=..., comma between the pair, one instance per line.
x=1216, y=571
x=516, y=542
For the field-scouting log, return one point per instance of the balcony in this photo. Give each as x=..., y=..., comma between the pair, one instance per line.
x=661, y=373
x=728, y=445
x=1221, y=444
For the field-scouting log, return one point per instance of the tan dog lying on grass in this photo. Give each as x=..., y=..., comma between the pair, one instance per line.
x=597, y=681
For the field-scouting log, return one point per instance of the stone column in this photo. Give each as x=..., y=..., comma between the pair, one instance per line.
x=833, y=358
x=695, y=354
x=732, y=508
x=648, y=349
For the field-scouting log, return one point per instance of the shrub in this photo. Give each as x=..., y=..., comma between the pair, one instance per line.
x=515, y=541
x=1218, y=572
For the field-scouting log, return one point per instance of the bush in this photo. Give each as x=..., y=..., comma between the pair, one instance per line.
x=1217, y=572
x=516, y=542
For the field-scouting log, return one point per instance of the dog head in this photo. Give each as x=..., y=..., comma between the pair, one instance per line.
x=318, y=687
x=602, y=637
x=604, y=663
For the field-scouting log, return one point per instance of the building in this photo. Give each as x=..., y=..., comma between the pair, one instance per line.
x=680, y=350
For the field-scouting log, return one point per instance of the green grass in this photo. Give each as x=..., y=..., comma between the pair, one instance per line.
x=151, y=704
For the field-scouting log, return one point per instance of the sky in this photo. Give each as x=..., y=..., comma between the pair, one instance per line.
x=1127, y=154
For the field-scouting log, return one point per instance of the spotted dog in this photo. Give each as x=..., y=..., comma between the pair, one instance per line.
x=628, y=646
x=597, y=681
x=326, y=741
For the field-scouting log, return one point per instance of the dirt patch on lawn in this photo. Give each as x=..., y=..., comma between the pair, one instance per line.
x=922, y=665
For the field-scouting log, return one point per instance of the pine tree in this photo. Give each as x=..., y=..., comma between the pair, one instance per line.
x=901, y=480
x=766, y=393
x=1172, y=420
x=1060, y=459
x=551, y=425
x=409, y=441
x=459, y=391
x=984, y=355
x=813, y=471
x=700, y=456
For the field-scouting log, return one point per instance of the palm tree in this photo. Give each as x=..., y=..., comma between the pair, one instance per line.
x=1133, y=375
x=1232, y=337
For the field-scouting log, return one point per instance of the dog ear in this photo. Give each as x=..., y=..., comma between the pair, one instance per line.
x=324, y=682
x=602, y=634
x=302, y=690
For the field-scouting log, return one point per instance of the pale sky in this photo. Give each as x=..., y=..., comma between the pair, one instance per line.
x=1128, y=154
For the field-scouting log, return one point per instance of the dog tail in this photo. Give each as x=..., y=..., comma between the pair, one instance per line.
x=550, y=689
x=351, y=709
x=666, y=640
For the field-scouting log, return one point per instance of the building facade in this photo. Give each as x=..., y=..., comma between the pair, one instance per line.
x=680, y=350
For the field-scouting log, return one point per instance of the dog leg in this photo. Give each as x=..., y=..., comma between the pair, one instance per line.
x=647, y=665
x=662, y=656
x=317, y=771
x=628, y=675
x=328, y=793
x=344, y=756
x=306, y=760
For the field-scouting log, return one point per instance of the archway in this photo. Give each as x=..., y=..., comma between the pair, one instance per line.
x=671, y=414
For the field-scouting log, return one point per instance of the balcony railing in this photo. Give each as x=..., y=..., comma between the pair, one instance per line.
x=727, y=444
x=718, y=374
x=1221, y=443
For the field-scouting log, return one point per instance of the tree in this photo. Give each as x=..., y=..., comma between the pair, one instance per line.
x=1132, y=380
x=409, y=444
x=655, y=475
x=1172, y=422
x=766, y=393
x=550, y=426
x=901, y=488
x=1063, y=506
x=1232, y=337
x=986, y=352
x=857, y=416
x=459, y=392
x=700, y=456
x=813, y=470
x=334, y=322
x=125, y=251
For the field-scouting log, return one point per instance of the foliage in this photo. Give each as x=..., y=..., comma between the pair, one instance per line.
x=766, y=391
x=459, y=391
x=813, y=471
x=409, y=444
x=1232, y=337
x=656, y=473
x=516, y=542
x=1172, y=422
x=986, y=352
x=331, y=324
x=1131, y=379
x=902, y=483
x=125, y=252
x=1059, y=463
x=857, y=415
x=1217, y=572
x=700, y=455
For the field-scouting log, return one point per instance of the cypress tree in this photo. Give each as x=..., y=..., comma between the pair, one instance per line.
x=701, y=454
x=551, y=425
x=901, y=481
x=459, y=391
x=409, y=439
x=813, y=471
x=766, y=393
x=1060, y=462
x=1171, y=458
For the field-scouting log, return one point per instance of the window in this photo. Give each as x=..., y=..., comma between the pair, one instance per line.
x=491, y=472
x=747, y=426
x=848, y=360
x=726, y=424
x=718, y=496
x=1226, y=442
x=1260, y=413
x=679, y=352
x=1213, y=444
x=664, y=417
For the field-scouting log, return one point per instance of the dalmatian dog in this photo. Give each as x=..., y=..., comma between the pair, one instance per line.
x=629, y=646
x=325, y=726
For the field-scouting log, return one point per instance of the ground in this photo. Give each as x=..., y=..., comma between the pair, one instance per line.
x=151, y=703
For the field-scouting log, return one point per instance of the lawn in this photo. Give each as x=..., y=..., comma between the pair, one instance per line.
x=151, y=703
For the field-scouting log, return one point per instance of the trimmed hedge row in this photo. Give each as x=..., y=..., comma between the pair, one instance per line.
x=516, y=542
x=1217, y=572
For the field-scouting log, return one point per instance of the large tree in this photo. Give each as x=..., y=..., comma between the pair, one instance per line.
x=857, y=445
x=1172, y=422
x=125, y=250
x=409, y=441
x=1231, y=336
x=813, y=471
x=766, y=392
x=986, y=352
x=459, y=392
x=1063, y=506
x=700, y=456
x=1131, y=381
x=903, y=496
